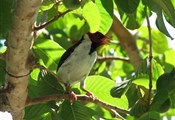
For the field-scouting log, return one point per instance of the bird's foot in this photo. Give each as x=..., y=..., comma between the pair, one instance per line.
x=90, y=95
x=73, y=96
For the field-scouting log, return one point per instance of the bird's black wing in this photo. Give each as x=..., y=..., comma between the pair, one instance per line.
x=67, y=53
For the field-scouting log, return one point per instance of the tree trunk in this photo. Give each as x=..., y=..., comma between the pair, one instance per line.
x=18, y=55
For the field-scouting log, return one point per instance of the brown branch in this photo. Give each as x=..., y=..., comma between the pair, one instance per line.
x=150, y=57
x=127, y=41
x=56, y=17
x=31, y=101
x=107, y=58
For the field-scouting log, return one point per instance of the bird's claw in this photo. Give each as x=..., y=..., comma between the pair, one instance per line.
x=73, y=96
x=90, y=95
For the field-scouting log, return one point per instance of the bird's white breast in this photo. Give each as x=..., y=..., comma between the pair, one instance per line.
x=78, y=64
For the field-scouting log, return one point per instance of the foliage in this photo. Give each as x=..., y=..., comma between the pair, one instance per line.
x=91, y=16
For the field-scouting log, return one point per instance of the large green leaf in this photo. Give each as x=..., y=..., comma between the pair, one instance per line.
x=47, y=84
x=150, y=115
x=144, y=69
x=170, y=57
x=152, y=5
x=139, y=108
x=167, y=7
x=74, y=4
x=48, y=51
x=143, y=73
x=35, y=112
x=47, y=4
x=92, y=16
x=101, y=86
x=106, y=13
x=128, y=6
x=159, y=45
x=132, y=94
x=135, y=19
x=68, y=29
x=6, y=10
x=159, y=99
x=161, y=25
x=166, y=81
x=158, y=8
x=116, y=69
x=75, y=111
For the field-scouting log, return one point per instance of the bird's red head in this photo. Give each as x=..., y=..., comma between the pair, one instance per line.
x=98, y=38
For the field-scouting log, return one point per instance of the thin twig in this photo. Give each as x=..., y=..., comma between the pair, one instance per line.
x=31, y=101
x=112, y=58
x=114, y=42
x=143, y=39
x=50, y=21
x=150, y=56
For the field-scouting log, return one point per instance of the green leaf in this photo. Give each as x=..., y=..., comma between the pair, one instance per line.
x=34, y=112
x=106, y=12
x=119, y=89
x=143, y=72
x=166, y=81
x=67, y=29
x=134, y=20
x=6, y=10
x=48, y=51
x=116, y=69
x=76, y=111
x=101, y=86
x=170, y=57
x=167, y=7
x=161, y=25
x=47, y=4
x=144, y=69
x=92, y=16
x=139, y=108
x=132, y=94
x=144, y=82
x=152, y=5
x=48, y=85
x=128, y=6
x=74, y=4
x=159, y=99
x=159, y=45
x=150, y=115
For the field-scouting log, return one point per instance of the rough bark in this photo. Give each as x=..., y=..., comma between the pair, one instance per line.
x=19, y=43
x=127, y=41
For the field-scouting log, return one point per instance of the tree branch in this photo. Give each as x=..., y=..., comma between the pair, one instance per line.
x=127, y=41
x=31, y=101
x=108, y=58
x=150, y=56
x=50, y=21
x=19, y=42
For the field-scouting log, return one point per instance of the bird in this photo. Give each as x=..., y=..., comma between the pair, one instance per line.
x=76, y=63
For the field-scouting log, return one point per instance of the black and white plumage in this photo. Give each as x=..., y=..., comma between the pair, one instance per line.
x=77, y=62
